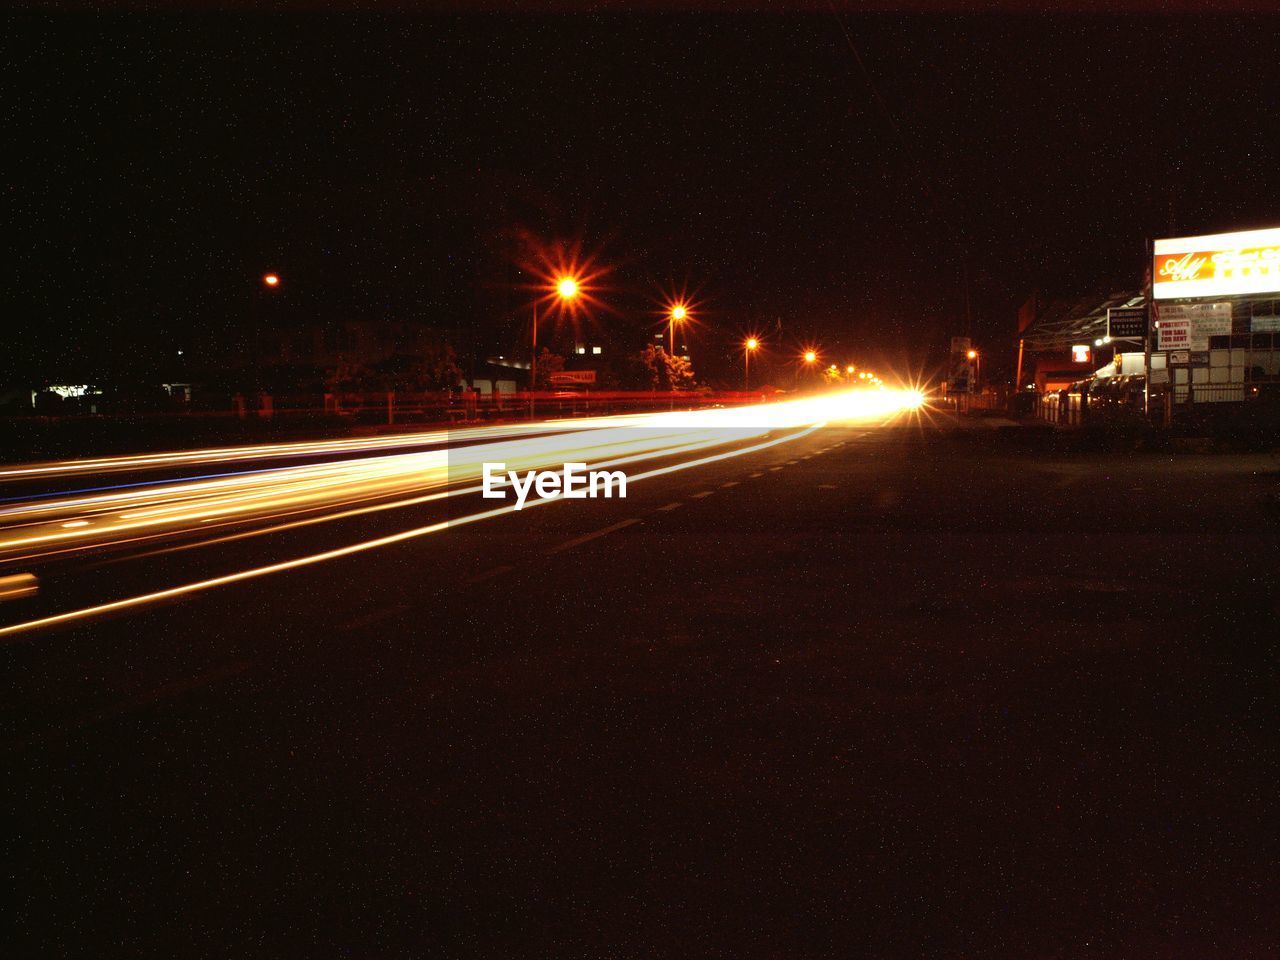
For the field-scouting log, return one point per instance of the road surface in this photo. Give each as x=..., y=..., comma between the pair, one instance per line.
x=878, y=690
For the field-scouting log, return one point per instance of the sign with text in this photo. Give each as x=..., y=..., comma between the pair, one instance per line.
x=1127, y=323
x=1217, y=265
x=1080, y=353
x=1180, y=357
x=1265, y=324
x=1191, y=325
x=563, y=378
x=1173, y=335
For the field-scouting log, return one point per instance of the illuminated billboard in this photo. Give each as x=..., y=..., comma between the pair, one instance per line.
x=1217, y=265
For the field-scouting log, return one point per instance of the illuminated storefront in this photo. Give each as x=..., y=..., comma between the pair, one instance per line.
x=1216, y=314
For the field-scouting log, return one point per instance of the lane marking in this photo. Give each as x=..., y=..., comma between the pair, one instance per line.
x=489, y=574
x=754, y=475
x=375, y=616
x=699, y=496
x=669, y=506
x=792, y=462
x=353, y=548
x=730, y=483
x=579, y=541
x=774, y=469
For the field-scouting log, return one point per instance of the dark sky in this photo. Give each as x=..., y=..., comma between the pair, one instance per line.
x=387, y=167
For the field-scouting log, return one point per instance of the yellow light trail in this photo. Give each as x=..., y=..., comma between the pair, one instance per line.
x=348, y=488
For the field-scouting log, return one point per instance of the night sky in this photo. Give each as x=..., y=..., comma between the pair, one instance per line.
x=396, y=167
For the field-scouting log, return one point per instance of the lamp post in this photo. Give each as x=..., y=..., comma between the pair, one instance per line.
x=749, y=347
x=566, y=290
x=808, y=358
x=677, y=315
x=977, y=372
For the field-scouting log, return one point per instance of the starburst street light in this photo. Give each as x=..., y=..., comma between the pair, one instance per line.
x=566, y=289
x=677, y=313
x=810, y=356
x=271, y=279
x=749, y=346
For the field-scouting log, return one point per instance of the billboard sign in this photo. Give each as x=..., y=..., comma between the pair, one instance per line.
x=1217, y=265
x=1190, y=325
x=1127, y=323
x=1080, y=353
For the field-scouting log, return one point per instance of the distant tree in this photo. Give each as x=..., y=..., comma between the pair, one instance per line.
x=666, y=372
x=548, y=363
x=434, y=368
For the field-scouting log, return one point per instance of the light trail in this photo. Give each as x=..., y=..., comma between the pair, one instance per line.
x=200, y=510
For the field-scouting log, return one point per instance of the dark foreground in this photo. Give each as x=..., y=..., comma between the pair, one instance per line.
x=903, y=698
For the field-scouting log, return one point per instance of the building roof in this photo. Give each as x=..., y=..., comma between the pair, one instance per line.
x=1064, y=323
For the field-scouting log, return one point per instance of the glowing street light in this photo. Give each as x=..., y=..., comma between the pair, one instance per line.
x=810, y=356
x=271, y=280
x=679, y=312
x=748, y=347
x=849, y=369
x=566, y=289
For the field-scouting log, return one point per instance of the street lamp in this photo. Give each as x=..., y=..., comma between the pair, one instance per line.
x=678, y=313
x=271, y=279
x=749, y=347
x=566, y=289
x=977, y=372
x=808, y=359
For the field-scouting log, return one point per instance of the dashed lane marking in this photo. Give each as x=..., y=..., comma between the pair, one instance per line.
x=375, y=616
x=699, y=496
x=774, y=469
x=669, y=506
x=728, y=484
x=489, y=574
x=579, y=541
x=754, y=475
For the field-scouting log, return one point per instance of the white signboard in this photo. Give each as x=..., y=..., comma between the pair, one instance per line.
x=1265, y=324
x=1217, y=265
x=1174, y=335
x=1190, y=325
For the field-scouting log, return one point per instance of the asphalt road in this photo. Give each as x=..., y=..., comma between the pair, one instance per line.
x=874, y=692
